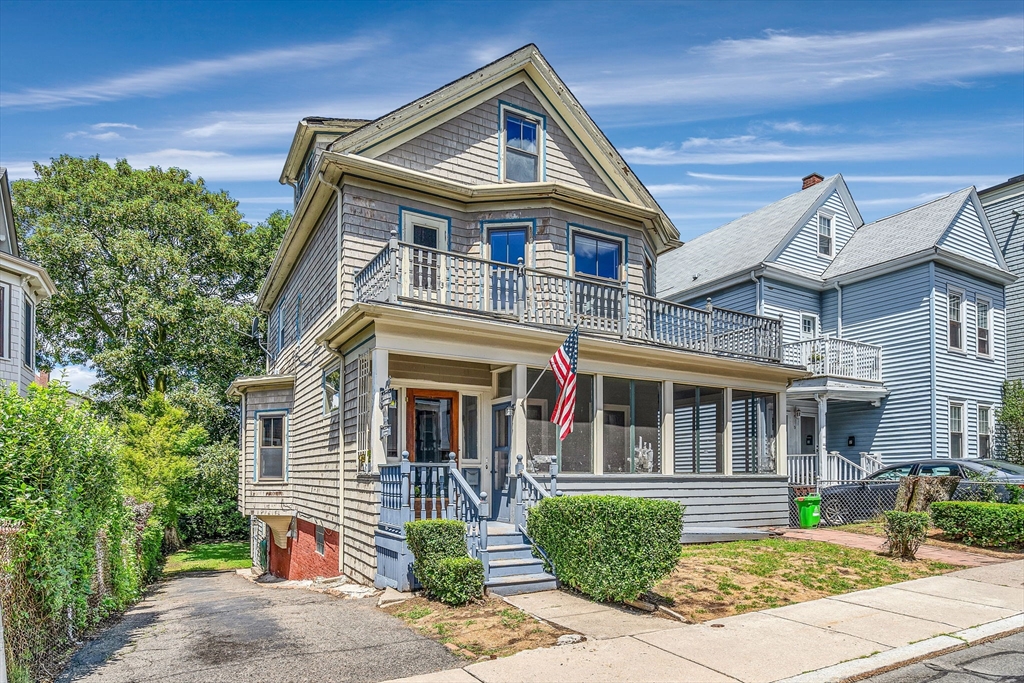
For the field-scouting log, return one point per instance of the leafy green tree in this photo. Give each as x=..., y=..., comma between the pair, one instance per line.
x=1010, y=421
x=211, y=512
x=156, y=276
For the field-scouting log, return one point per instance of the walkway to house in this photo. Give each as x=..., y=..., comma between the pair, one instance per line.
x=216, y=626
x=835, y=638
x=963, y=558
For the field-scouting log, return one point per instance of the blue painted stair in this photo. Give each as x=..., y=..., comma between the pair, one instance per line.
x=512, y=568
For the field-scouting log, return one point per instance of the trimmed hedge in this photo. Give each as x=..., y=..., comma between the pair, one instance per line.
x=442, y=565
x=982, y=524
x=905, y=532
x=608, y=547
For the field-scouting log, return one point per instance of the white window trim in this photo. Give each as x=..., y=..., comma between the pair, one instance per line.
x=5, y=322
x=963, y=320
x=988, y=316
x=831, y=233
x=324, y=371
x=949, y=428
x=817, y=325
x=257, y=446
x=623, y=256
x=542, y=129
x=411, y=218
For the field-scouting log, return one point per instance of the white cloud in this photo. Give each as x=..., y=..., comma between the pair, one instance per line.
x=780, y=68
x=914, y=200
x=213, y=165
x=962, y=180
x=103, y=126
x=78, y=377
x=187, y=75
x=678, y=189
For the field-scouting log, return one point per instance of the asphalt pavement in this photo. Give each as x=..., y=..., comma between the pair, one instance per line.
x=997, y=661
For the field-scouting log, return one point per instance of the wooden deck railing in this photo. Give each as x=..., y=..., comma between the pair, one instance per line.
x=405, y=273
x=834, y=357
x=803, y=468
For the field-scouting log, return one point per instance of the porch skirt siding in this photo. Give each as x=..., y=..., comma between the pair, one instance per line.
x=711, y=501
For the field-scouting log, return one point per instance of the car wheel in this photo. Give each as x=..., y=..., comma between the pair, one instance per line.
x=834, y=514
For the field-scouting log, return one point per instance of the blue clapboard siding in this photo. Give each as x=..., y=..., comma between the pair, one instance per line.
x=967, y=377
x=789, y=301
x=802, y=250
x=966, y=236
x=1009, y=231
x=829, y=312
x=737, y=500
x=741, y=297
x=892, y=311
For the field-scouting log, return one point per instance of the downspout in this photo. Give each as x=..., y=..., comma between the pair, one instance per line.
x=341, y=457
x=758, y=305
x=337, y=244
x=839, y=310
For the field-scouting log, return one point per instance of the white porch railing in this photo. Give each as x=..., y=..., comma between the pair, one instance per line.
x=804, y=468
x=405, y=273
x=834, y=357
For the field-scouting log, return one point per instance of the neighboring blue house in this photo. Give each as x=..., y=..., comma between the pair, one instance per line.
x=901, y=321
x=1004, y=206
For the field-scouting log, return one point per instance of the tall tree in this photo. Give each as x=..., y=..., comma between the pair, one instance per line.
x=156, y=275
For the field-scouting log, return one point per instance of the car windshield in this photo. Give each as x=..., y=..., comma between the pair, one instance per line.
x=1004, y=466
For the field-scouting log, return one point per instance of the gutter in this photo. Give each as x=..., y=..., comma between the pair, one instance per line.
x=839, y=309
x=758, y=304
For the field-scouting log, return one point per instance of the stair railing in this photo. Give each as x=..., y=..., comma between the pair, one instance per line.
x=465, y=506
x=529, y=491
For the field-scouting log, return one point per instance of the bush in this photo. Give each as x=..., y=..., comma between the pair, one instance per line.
x=904, y=532
x=983, y=524
x=442, y=564
x=457, y=580
x=608, y=547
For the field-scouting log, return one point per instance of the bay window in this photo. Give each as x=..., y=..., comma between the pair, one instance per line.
x=270, y=448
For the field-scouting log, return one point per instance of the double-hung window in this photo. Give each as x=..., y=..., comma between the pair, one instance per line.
x=3, y=322
x=824, y=235
x=984, y=334
x=270, y=453
x=29, y=324
x=331, y=390
x=597, y=257
x=956, y=430
x=985, y=431
x=522, y=149
x=956, y=319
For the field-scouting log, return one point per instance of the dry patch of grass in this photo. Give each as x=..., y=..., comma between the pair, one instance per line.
x=484, y=629
x=722, y=579
x=935, y=538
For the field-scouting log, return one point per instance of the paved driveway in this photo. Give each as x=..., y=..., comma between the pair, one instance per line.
x=219, y=627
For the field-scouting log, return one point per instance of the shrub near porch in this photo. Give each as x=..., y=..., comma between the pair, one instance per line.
x=722, y=579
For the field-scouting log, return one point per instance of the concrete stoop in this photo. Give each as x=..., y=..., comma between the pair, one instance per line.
x=512, y=568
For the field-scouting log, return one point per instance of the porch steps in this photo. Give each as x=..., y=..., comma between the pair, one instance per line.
x=512, y=568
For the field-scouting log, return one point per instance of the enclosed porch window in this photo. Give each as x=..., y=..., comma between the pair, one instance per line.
x=575, y=454
x=632, y=426
x=699, y=429
x=753, y=432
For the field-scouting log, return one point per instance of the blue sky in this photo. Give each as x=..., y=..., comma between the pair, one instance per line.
x=719, y=107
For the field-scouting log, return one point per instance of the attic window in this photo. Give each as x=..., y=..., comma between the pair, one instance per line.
x=522, y=149
x=824, y=235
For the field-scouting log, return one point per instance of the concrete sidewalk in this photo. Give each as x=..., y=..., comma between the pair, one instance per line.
x=833, y=638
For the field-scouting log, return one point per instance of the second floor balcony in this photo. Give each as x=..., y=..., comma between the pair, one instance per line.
x=835, y=357
x=411, y=275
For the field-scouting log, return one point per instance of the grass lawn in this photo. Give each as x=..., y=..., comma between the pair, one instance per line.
x=935, y=537
x=484, y=629
x=209, y=557
x=722, y=579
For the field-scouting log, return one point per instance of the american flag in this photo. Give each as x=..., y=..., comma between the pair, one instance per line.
x=563, y=365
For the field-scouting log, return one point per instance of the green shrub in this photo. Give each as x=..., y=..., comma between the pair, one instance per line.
x=904, y=532
x=457, y=580
x=983, y=524
x=608, y=547
x=442, y=564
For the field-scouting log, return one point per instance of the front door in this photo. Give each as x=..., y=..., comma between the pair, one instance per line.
x=507, y=245
x=432, y=421
x=808, y=435
x=502, y=443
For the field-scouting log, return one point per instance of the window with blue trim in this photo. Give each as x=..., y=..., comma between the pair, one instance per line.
x=271, y=447
x=522, y=152
x=596, y=257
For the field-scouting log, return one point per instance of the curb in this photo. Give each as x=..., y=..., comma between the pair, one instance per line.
x=856, y=669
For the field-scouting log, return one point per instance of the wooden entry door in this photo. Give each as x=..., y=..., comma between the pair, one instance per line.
x=431, y=424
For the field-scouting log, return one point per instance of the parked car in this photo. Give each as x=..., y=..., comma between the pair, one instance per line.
x=865, y=499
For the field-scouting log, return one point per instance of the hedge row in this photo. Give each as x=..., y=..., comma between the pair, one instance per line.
x=982, y=524
x=608, y=547
x=442, y=565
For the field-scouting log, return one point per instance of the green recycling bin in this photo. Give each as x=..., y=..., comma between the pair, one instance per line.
x=809, y=508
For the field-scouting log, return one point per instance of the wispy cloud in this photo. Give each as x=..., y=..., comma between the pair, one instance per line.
x=678, y=190
x=103, y=132
x=157, y=81
x=781, y=68
x=963, y=180
x=914, y=200
x=212, y=165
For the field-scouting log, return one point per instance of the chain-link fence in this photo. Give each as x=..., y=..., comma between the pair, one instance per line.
x=848, y=502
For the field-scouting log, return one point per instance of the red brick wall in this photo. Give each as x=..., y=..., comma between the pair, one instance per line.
x=301, y=560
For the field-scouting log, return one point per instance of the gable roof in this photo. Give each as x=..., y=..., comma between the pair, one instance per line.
x=743, y=244
x=904, y=234
x=8, y=232
x=381, y=134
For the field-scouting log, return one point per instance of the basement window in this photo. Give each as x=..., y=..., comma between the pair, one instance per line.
x=319, y=539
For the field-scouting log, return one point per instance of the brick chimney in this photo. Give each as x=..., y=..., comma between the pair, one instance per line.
x=811, y=180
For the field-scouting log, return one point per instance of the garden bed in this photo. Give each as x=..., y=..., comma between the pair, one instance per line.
x=482, y=629
x=935, y=537
x=722, y=579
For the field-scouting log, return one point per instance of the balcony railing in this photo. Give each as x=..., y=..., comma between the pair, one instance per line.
x=405, y=273
x=833, y=357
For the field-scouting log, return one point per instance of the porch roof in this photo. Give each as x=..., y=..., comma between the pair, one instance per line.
x=243, y=384
x=837, y=390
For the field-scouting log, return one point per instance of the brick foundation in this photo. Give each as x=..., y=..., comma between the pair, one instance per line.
x=301, y=560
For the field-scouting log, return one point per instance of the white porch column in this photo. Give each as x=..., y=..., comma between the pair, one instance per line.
x=380, y=373
x=727, y=433
x=519, y=389
x=598, y=424
x=782, y=436
x=822, y=400
x=668, y=459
